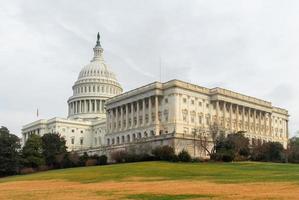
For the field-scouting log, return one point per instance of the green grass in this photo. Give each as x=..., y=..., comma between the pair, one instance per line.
x=216, y=172
x=167, y=197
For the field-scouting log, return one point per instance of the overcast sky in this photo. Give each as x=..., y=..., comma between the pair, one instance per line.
x=251, y=47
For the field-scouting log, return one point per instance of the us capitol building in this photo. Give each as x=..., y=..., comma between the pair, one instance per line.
x=102, y=119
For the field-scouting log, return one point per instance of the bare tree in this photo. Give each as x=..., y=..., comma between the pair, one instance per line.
x=208, y=137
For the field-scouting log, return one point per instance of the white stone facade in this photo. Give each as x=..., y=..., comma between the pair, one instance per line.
x=101, y=118
x=182, y=109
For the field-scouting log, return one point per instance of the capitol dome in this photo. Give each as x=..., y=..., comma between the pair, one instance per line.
x=96, y=83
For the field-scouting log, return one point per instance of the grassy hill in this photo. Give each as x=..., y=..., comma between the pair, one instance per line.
x=218, y=172
x=165, y=172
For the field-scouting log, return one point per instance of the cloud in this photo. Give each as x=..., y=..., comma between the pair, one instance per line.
x=247, y=46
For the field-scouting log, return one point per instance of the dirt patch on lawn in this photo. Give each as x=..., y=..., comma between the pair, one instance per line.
x=58, y=190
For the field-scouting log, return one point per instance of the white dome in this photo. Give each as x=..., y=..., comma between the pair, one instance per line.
x=96, y=83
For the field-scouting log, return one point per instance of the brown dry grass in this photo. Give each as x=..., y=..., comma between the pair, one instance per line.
x=29, y=190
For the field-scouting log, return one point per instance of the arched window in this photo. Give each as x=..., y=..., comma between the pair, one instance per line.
x=128, y=138
x=108, y=141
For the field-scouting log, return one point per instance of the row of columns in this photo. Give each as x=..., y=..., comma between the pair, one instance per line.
x=257, y=117
x=86, y=106
x=119, y=117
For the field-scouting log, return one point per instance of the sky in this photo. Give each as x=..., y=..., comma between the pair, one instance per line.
x=251, y=47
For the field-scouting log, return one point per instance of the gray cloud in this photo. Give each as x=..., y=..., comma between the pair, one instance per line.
x=247, y=46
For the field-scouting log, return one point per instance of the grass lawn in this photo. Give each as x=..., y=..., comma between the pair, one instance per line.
x=217, y=172
x=120, y=181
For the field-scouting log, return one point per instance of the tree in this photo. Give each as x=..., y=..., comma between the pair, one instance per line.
x=293, y=150
x=164, y=153
x=268, y=151
x=53, y=147
x=32, y=152
x=239, y=144
x=184, y=156
x=233, y=147
x=208, y=138
x=9, y=156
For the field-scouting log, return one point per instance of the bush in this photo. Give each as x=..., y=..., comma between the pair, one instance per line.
x=27, y=170
x=83, y=159
x=268, y=151
x=102, y=160
x=118, y=156
x=43, y=168
x=91, y=162
x=184, y=156
x=164, y=153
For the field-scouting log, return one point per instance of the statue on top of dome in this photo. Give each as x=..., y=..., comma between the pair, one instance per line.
x=98, y=37
x=98, y=40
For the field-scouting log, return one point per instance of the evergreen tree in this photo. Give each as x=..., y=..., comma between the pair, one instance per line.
x=32, y=152
x=9, y=156
x=53, y=147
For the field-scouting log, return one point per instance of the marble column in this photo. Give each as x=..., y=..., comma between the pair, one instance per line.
x=121, y=118
x=237, y=118
x=132, y=114
x=231, y=116
x=143, y=112
x=217, y=113
x=224, y=113
x=243, y=118
x=127, y=116
x=149, y=110
x=137, y=112
x=254, y=120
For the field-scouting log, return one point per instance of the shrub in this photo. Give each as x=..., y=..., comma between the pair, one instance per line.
x=118, y=156
x=27, y=170
x=91, y=162
x=164, y=153
x=184, y=156
x=102, y=160
x=83, y=159
x=43, y=168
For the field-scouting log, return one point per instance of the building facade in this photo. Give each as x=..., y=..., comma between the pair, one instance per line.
x=186, y=112
x=102, y=119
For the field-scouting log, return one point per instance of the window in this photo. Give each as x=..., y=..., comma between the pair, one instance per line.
x=200, y=119
x=186, y=130
x=185, y=116
x=73, y=130
x=184, y=100
x=166, y=100
x=200, y=103
x=81, y=141
x=207, y=105
x=166, y=115
x=192, y=102
x=81, y=131
x=128, y=138
x=73, y=140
